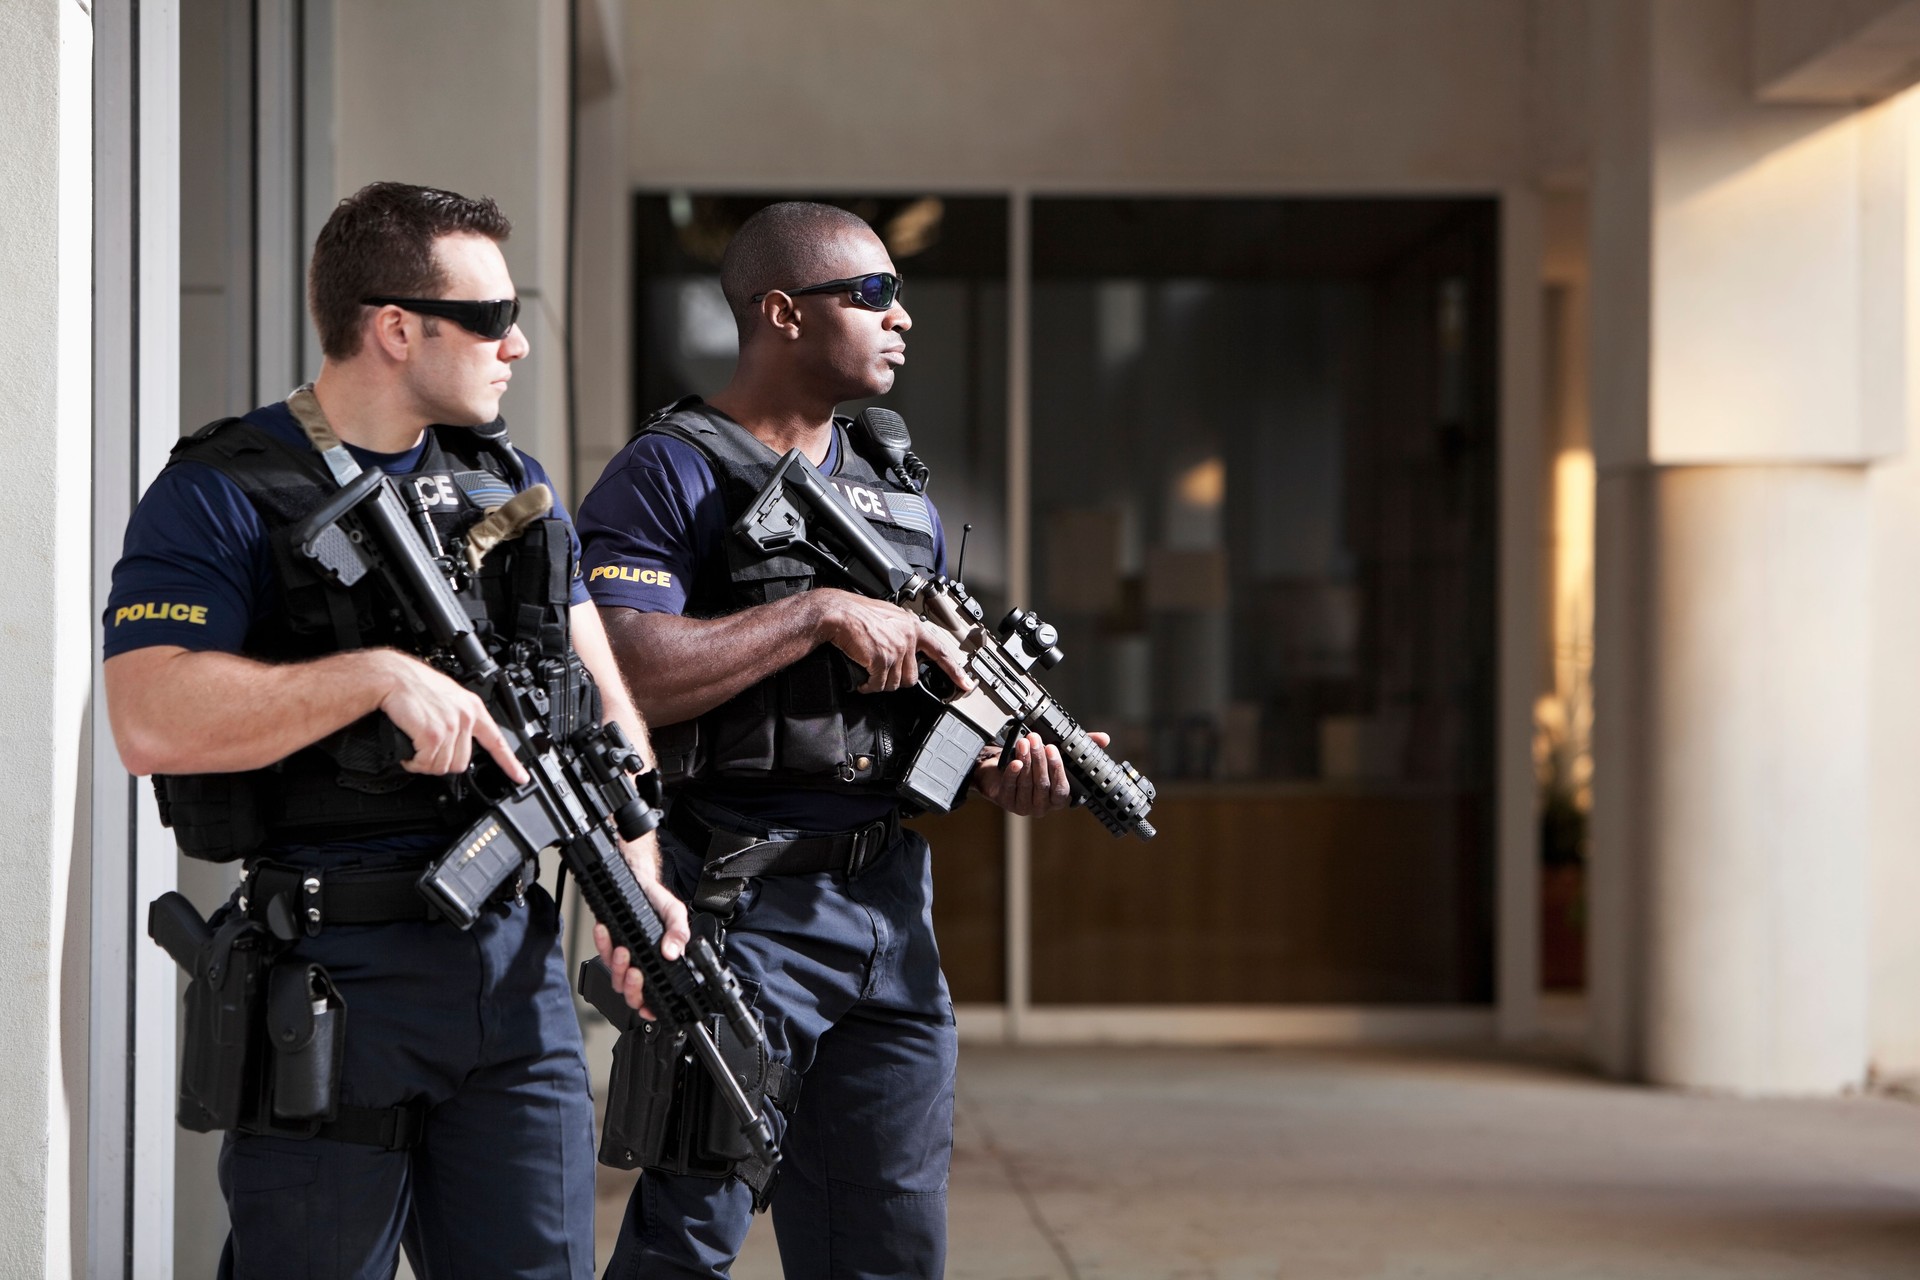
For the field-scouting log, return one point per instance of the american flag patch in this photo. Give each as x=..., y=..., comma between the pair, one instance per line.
x=486, y=489
x=909, y=511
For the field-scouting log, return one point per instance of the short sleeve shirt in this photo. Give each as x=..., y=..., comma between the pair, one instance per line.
x=196, y=569
x=655, y=525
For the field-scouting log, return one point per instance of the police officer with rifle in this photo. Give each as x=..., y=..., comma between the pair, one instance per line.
x=352, y=647
x=793, y=701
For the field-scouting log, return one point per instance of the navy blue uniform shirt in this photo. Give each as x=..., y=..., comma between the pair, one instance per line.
x=196, y=569
x=653, y=525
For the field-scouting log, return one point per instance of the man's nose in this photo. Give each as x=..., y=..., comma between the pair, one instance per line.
x=898, y=319
x=514, y=345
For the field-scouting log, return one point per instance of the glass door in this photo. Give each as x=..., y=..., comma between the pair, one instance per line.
x=1264, y=513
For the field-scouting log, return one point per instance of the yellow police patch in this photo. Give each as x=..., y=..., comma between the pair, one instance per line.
x=158, y=611
x=646, y=577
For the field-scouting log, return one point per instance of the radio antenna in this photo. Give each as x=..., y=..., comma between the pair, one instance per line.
x=965, y=529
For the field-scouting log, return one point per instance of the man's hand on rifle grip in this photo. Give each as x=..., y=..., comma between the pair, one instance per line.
x=439, y=716
x=1028, y=779
x=885, y=639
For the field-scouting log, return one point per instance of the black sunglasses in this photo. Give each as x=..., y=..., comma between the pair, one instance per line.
x=875, y=292
x=493, y=319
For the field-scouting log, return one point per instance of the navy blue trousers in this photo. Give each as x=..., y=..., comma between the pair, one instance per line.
x=853, y=999
x=481, y=1026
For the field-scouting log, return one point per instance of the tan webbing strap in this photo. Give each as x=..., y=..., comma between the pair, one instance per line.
x=305, y=407
x=506, y=522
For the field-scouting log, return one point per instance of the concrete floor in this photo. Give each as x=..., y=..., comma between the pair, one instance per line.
x=1350, y=1165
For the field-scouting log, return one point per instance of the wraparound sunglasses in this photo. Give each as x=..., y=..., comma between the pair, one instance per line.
x=875, y=292
x=493, y=319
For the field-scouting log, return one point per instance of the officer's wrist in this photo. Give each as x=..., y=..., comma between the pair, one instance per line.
x=822, y=615
x=383, y=669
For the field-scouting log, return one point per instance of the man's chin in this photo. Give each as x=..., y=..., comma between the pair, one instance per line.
x=471, y=414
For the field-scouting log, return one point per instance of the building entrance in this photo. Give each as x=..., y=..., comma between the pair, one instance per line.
x=1255, y=488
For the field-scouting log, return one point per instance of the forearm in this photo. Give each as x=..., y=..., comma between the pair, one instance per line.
x=616, y=703
x=678, y=667
x=178, y=711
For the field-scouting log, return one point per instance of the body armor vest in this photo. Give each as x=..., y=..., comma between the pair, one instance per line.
x=807, y=725
x=349, y=785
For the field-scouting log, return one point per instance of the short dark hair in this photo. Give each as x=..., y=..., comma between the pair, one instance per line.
x=378, y=242
x=783, y=246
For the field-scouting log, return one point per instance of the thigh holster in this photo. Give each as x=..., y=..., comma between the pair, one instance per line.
x=663, y=1112
x=265, y=1036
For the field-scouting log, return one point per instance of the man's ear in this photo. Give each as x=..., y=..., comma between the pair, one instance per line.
x=781, y=314
x=387, y=331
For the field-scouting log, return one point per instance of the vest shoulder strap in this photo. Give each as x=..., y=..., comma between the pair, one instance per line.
x=283, y=482
x=729, y=447
x=734, y=452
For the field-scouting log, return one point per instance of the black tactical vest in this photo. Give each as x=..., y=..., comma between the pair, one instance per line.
x=806, y=725
x=349, y=785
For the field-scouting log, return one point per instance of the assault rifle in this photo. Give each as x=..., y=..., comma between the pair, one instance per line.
x=578, y=793
x=798, y=509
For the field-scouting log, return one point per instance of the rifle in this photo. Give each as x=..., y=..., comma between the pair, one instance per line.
x=579, y=790
x=798, y=509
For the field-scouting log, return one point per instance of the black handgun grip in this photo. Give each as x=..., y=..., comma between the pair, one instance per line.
x=176, y=924
x=596, y=988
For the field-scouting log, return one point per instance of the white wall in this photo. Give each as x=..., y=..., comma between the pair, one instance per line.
x=1894, y=716
x=45, y=632
x=1302, y=94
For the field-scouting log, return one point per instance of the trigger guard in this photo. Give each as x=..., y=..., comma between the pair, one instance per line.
x=937, y=682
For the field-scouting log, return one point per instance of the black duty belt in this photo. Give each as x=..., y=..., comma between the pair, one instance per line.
x=730, y=858
x=315, y=898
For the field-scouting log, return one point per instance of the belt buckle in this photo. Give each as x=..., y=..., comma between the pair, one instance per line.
x=868, y=843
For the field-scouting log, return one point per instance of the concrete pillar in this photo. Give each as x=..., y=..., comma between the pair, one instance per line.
x=1750, y=322
x=1756, y=716
x=603, y=246
x=1894, y=716
x=46, y=50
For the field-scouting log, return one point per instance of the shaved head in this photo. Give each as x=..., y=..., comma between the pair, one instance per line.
x=784, y=246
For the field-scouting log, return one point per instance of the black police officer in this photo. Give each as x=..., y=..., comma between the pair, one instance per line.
x=784, y=751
